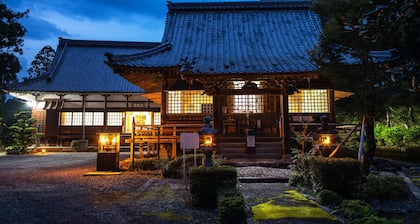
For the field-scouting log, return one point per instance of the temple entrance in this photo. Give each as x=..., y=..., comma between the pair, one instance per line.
x=263, y=124
x=252, y=111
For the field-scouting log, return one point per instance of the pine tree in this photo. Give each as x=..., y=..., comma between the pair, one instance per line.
x=23, y=131
x=356, y=36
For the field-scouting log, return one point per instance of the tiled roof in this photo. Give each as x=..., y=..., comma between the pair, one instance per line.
x=79, y=67
x=234, y=37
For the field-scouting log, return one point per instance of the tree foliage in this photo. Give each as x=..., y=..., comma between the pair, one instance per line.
x=23, y=131
x=42, y=61
x=367, y=48
x=11, y=42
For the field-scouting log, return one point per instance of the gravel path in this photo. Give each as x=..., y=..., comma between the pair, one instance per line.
x=52, y=188
x=45, y=194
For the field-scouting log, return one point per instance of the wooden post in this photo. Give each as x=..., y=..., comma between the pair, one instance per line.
x=133, y=135
x=342, y=142
x=286, y=126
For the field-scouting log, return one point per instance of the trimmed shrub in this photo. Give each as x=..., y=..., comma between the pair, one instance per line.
x=329, y=198
x=347, y=153
x=385, y=188
x=148, y=164
x=205, y=182
x=340, y=175
x=231, y=207
x=174, y=168
x=74, y=144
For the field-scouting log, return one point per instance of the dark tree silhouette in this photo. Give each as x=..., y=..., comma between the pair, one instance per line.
x=42, y=62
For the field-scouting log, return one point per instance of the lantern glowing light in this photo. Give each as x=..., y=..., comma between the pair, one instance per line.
x=325, y=139
x=108, y=141
x=208, y=140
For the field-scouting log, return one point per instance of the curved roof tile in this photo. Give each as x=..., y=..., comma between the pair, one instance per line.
x=79, y=67
x=235, y=37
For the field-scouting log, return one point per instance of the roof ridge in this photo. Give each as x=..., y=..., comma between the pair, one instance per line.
x=241, y=5
x=158, y=49
x=107, y=43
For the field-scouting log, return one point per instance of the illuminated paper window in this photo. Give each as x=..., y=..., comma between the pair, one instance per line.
x=66, y=118
x=188, y=102
x=309, y=101
x=76, y=118
x=156, y=118
x=115, y=118
x=94, y=118
x=247, y=103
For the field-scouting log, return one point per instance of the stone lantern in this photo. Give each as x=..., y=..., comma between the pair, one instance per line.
x=208, y=147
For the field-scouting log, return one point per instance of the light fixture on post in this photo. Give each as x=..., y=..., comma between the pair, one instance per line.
x=325, y=139
x=208, y=135
x=326, y=136
x=108, y=152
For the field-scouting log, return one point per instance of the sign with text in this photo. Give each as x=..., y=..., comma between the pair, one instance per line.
x=189, y=141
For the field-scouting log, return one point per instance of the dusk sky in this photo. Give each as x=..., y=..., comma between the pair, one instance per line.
x=122, y=20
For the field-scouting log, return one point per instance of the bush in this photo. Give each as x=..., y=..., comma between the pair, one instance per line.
x=74, y=144
x=359, y=212
x=329, y=198
x=148, y=165
x=342, y=176
x=205, y=182
x=354, y=210
x=301, y=175
x=13, y=149
x=231, y=207
x=174, y=168
x=385, y=188
x=347, y=153
x=397, y=135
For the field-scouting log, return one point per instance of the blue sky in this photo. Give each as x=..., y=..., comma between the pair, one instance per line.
x=117, y=20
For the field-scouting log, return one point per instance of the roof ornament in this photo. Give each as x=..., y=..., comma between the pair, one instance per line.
x=249, y=85
x=186, y=68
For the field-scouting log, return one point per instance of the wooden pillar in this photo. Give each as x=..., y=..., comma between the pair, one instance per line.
x=285, y=127
x=105, y=121
x=217, y=118
x=331, y=102
x=83, y=116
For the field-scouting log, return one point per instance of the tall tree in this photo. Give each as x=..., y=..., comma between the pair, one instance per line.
x=42, y=62
x=11, y=42
x=359, y=42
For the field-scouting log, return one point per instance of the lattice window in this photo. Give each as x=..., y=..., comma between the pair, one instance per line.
x=188, y=102
x=76, y=118
x=66, y=118
x=309, y=101
x=247, y=103
x=94, y=118
x=156, y=118
x=114, y=118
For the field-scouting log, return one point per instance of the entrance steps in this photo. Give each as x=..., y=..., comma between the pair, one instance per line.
x=265, y=148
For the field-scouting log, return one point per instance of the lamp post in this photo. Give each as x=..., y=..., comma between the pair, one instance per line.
x=208, y=145
x=108, y=152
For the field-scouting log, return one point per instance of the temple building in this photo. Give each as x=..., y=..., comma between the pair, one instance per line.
x=245, y=64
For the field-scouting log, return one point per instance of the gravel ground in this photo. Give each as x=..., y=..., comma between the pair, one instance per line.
x=43, y=194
